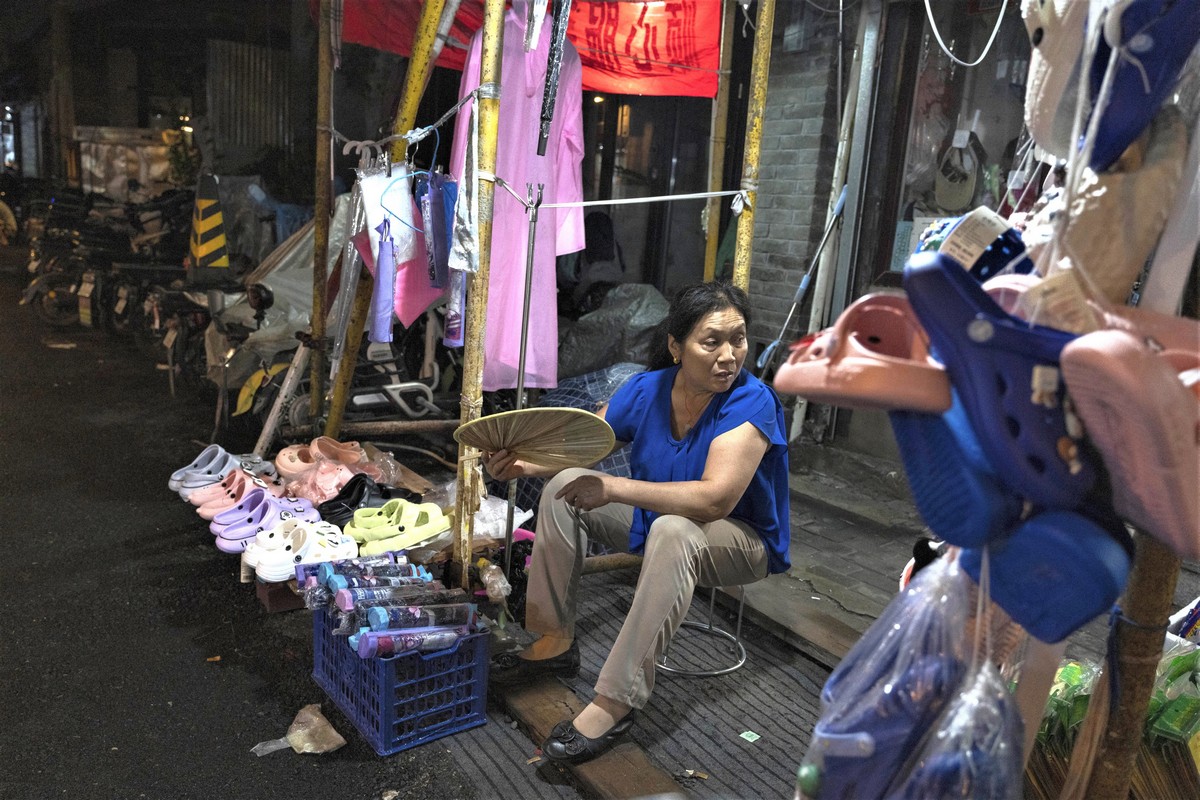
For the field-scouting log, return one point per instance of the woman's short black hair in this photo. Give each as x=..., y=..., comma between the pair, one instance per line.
x=692, y=304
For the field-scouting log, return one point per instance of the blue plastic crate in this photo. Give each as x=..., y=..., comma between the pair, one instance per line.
x=405, y=700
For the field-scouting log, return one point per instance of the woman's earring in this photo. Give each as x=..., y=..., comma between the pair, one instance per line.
x=675, y=359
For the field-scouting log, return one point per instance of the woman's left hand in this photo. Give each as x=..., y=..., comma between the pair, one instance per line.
x=585, y=492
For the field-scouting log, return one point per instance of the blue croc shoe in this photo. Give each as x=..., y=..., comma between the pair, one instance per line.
x=953, y=487
x=1151, y=40
x=1005, y=371
x=1057, y=571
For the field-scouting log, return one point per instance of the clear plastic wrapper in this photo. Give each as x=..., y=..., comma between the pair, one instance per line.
x=336, y=577
x=373, y=644
x=306, y=571
x=337, y=583
x=310, y=732
x=359, y=616
x=974, y=750
x=317, y=597
x=416, y=616
x=1067, y=704
x=889, y=689
x=347, y=599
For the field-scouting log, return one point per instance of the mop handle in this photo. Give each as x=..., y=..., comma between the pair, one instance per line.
x=769, y=352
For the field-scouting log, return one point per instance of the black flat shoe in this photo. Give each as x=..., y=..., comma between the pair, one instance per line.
x=512, y=670
x=361, y=491
x=568, y=745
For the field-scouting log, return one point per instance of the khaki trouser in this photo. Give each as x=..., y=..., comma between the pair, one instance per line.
x=680, y=554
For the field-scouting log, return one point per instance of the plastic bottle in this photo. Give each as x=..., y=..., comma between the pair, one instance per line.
x=371, y=644
x=352, y=570
x=494, y=581
x=347, y=599
x=339, y=582
x=418, y=616
x=305, y=571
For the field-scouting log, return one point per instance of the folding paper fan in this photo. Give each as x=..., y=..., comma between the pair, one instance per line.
x=550, y=437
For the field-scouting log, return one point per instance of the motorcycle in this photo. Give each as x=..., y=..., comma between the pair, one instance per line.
x=90, y=265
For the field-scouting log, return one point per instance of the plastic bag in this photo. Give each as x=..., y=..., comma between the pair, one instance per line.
x=974, y=750
x=1067, y=705
x=310, y=732
x=889, y=689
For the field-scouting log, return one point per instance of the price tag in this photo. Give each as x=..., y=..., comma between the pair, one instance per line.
x=1060, y=301
x=169, y=339
x=119, y=308
x=972, y=235
x=961, y=137
x=86, y=288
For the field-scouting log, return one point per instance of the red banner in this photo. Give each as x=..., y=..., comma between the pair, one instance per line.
x=650, y=47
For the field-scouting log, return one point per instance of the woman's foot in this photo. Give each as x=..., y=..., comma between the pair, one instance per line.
x=599, y=716
x=556, y=658
x=594, y=731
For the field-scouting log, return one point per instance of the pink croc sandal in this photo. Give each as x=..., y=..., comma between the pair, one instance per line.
x=294, y=461
x=1146, y=424
x=876, y=356
x=338, y=452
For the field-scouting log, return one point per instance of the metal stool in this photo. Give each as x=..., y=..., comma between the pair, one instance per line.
x=735, y=648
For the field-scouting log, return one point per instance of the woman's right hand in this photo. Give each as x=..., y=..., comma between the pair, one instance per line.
x=504, y=466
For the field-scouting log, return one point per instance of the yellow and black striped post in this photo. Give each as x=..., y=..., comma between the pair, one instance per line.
x=208, y=247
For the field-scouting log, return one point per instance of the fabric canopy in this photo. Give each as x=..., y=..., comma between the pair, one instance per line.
x=648, y=47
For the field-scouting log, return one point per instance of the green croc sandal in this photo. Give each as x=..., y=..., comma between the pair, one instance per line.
x=376, y=523
x=418, y=522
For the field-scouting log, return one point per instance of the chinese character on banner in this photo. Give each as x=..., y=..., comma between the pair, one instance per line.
x=654, y=47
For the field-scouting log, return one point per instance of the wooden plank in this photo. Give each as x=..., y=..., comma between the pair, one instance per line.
x=625, y=771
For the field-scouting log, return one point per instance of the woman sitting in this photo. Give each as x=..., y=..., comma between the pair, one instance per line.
x=707, y=504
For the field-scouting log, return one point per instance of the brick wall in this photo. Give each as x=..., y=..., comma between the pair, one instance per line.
x=797, y=160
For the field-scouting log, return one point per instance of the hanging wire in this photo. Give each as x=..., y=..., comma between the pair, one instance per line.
x=837, y=10
x=986, y=48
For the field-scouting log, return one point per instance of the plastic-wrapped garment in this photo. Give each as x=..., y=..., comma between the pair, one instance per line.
x=974, y=750
x=889, y=689
x=383, y=296
x=435, y=196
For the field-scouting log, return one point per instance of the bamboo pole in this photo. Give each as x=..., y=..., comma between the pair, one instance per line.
x=63, y=118
x=345, y=374
x=322, y=206
x=387, y=427
x=760, y=66
x=488, y=108
x=424, y=51
x=1139, y=640
x=425, y=40
x=716, y=156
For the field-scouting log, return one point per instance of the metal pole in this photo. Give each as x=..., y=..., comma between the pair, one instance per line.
x=760, y=66
x=345, y=374
x=716, y=153
x=488, y=108
x=286, y=390
x=322, y=207
x=534, y=205
x=426, y=45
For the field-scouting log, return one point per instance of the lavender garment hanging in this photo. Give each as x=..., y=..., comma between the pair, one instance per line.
x=383, y=298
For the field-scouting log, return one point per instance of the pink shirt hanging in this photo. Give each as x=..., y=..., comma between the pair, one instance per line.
x=559, y=230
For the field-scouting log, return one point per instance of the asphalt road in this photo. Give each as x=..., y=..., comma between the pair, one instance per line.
x=132, y=662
